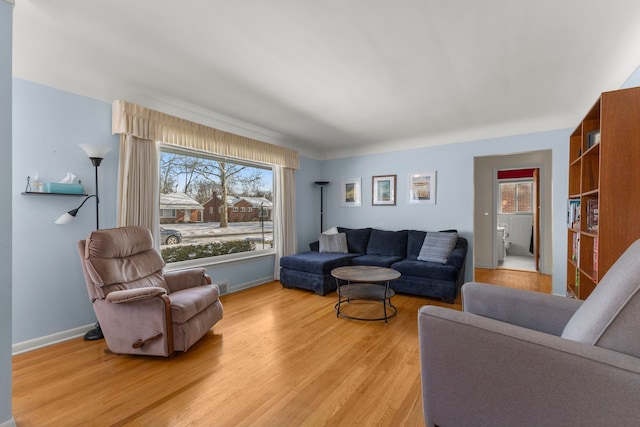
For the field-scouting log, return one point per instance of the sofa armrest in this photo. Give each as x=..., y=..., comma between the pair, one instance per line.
x=531, y=310
x=479, y=371
x=183, y=279
x=130, y=295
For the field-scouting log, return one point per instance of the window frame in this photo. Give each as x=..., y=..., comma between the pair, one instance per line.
x=516, y=182
x=220, y=259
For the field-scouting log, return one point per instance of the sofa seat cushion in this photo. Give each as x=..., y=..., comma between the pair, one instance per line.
x=188, y=302
x=389, y=243
x=432, y=270
x=316, y=262
x=375, y=260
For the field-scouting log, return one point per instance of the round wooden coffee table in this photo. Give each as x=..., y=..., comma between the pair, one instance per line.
x=363, y=282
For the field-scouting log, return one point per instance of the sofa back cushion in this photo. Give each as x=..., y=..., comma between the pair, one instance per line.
x=610, y=316
x=122, y=258
x=415, y=239
x=388, y=243
x=357, y=239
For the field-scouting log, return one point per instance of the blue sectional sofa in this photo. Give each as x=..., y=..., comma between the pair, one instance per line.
x=394, y=249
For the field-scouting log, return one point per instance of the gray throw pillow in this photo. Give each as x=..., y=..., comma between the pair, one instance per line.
x=437, y=246
x=333, y=243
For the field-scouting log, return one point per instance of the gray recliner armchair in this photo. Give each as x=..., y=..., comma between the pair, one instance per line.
x=520, y=358
x=142, y=309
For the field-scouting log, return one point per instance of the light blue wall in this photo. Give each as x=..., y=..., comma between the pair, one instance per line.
x=49, y=291
x=632, y=81
x=308, y=202
x=6, y=25
x=455, y=190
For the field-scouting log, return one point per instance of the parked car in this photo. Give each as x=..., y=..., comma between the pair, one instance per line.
x=169, y=236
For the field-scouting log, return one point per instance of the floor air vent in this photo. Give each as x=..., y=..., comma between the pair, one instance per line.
x=224, y=287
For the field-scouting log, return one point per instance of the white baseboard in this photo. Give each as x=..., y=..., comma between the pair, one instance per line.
x=33, y=344
x=251, y=284
x=36, y=343
x=10, y=423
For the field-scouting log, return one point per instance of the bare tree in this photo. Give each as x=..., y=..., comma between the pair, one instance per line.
x=168, y=173
x=200, y=178
x=226, y=176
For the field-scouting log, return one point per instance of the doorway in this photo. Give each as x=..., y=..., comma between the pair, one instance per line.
x=486, y=199
x=517, y=232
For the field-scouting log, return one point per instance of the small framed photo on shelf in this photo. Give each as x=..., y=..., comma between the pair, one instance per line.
x=350, y=193
x=422, y=188
x=383, y=190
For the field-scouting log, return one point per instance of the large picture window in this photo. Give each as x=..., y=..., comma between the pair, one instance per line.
x=220, y=207
x=515, y=197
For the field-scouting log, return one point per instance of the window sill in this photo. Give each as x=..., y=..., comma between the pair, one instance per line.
x=220, y=260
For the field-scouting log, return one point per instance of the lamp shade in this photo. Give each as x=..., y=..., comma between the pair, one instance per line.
x=95, y=151
x=65, y=218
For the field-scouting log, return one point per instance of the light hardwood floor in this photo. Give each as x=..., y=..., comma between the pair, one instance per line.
x=280, y=357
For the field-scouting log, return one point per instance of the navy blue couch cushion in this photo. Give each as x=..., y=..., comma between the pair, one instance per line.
x=375, y=260
x=387, y=243
x=432, y=270
x=357, y=239
x=415, y=239
x=316, y=262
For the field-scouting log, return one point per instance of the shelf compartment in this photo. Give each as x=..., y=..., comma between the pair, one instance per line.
x=575, y=145
x=590, y=176
x=588, y=257
x=574, y=178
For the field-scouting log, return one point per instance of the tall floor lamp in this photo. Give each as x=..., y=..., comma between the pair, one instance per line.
x=96, y=154
x=321, y=184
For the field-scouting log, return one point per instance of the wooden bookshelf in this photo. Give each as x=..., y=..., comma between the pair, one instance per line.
x=604, y=175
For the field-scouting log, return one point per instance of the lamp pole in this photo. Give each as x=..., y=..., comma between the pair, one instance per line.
x=321, y=184
x=96, y=162
x=95, y=153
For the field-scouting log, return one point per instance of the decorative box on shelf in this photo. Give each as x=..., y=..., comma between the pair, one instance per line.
x=54, y=187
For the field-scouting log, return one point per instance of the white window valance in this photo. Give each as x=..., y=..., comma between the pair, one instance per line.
x=141, y=122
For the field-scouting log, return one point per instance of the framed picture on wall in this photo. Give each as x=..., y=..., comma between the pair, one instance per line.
x=350, y=193
x=422, y=188
x=383, y=190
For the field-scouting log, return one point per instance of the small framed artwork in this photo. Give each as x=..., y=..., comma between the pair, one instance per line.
x=350, y=193
x=383, y=190
x=422, y=188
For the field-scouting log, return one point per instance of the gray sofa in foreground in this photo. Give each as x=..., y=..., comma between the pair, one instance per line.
x=522, y=358
x=399, y=250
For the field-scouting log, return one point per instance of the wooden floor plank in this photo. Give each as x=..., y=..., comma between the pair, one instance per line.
x=280, y=357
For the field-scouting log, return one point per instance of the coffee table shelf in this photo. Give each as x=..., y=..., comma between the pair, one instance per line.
x=359, y=287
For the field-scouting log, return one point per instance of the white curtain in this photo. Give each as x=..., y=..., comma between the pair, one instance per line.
x=284, y=221
x=138, y=184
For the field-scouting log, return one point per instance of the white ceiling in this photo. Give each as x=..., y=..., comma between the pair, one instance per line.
x=334, y=78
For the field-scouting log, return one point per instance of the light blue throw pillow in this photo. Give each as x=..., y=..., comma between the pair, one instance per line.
x=437, y=246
